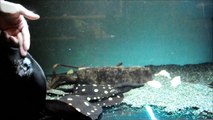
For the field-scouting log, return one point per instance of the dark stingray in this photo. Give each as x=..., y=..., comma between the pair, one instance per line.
x=23, y=83
x=89, y=99
x=24, y=77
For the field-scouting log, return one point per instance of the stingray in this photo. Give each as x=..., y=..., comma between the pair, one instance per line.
x=26, y=79
x=23, y=83
x=89, y=99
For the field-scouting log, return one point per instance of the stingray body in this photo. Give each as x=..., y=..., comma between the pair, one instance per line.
x=90, y=99
x=99, y=94
x=25, y=78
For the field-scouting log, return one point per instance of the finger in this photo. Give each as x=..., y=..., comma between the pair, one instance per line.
x=27, y=13
x=11, y=38
x=21, y=49
x=8, y=7
x=13, y=8
x=25, y=35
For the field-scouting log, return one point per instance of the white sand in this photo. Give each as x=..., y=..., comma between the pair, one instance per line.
x=185, y=95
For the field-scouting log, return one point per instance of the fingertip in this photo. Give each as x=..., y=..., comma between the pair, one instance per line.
x=26, y=47
x=37, y=16
x=22, y=51
x=28, y=14
x=31, y=15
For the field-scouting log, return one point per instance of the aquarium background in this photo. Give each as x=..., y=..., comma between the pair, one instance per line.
x=134, y=32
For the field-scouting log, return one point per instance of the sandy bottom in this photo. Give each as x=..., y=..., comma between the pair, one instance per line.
x=192, y=93
x=192, y=98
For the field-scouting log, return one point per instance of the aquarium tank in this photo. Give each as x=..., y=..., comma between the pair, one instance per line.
x=125, y=59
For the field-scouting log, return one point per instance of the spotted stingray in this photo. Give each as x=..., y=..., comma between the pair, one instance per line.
x=90, y=99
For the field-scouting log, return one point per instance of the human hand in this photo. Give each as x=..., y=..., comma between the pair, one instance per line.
x=14, y=24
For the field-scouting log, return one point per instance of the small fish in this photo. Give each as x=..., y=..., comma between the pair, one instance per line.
x=119, y=64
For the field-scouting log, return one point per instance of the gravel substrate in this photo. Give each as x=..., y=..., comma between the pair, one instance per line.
x=191, y=93
x=194, y=73
x=191, y=99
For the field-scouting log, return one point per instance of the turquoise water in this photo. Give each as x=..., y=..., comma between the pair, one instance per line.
x=139, y=32
x=125, y=112
x=134, y=32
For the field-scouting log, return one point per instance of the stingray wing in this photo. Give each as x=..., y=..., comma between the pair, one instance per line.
x=82, y=105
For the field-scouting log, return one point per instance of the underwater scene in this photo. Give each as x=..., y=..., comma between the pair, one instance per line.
x=115, y=60
x=161, y=92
